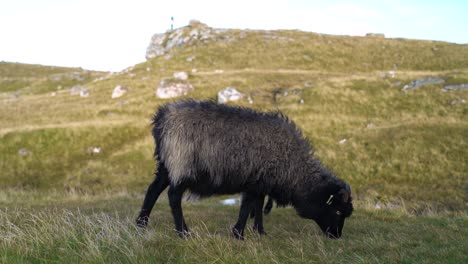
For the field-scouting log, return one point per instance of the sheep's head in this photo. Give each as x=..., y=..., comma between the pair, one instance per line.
x=330, y=211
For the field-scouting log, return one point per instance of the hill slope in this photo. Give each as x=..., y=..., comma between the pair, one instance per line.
x=398, y=146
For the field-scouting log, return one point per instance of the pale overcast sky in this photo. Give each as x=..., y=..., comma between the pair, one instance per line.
x=111, y=35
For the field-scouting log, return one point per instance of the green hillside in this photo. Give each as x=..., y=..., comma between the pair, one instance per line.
x=404, y=153
x=410, y=145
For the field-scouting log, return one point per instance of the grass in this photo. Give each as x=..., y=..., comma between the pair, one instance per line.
x=405, y=152
x=89, y=228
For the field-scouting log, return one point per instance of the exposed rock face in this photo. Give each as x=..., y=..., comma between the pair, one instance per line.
x=229, y=94
x=196, y=31
x=170, y=89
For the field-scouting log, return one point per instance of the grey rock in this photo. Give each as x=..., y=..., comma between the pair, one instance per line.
x=462, y=86
x=181, y=76
x=229, y=94
x=84, y=93
x=118, y=91
x=231, y=201
x=94, y=150
x=24, y=152
x=172, y=89
x=421, y=82
x=76, y=90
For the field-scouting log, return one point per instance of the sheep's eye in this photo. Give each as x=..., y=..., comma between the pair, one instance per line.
x=338, y=213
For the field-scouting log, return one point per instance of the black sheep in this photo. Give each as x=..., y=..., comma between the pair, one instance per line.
x=208, y=149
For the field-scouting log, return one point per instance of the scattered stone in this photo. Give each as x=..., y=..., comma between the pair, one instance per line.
x=76, y=90
x=231, y=201
x=369, y=125
x=148, y=69
x=172, y=89
x=132, y=74
x=53, y=94
x=181, y=76
x=389, y=74
x=301, y=101
x=421, y=82
x=344, y=140
x=229, y=94
x=218, y=71
x=94, y=150
x=285, y=93
x=84, y=93
x=24, y=152
x=375, y=35
x=249, y=99
x=455, y=87
x=457, y=101
x=16, y=94
x=118, y=91
x=190, y=59
x=194, y=70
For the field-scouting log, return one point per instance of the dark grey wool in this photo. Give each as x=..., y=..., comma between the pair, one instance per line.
x=207, y=149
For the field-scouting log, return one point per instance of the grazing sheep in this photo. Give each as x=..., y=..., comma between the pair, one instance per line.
x=210, y=149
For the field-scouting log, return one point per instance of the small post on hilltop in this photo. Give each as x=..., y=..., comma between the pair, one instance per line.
x=172, y=23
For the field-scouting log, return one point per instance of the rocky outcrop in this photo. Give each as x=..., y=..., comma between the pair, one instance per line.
x=195, y=32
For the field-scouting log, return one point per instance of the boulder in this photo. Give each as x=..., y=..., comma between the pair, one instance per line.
x=118, y=91
x=170, y=89
x=76, y=90
x=229, y=94
x=84, y=93
x=181, y=76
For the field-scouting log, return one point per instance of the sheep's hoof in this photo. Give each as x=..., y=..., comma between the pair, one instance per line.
x=185, y=234
x=142, y=221
x=260, y=231
x=237, y=234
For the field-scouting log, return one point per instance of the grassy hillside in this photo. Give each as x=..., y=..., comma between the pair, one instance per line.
x=405, y=152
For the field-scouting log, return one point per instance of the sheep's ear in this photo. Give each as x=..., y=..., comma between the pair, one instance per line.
x=345, y=193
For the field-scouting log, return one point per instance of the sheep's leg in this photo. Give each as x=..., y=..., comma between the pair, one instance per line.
x=175, y=201
x=160, y=183
x=268, y=206
x=258, y=221
x=247, y=204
